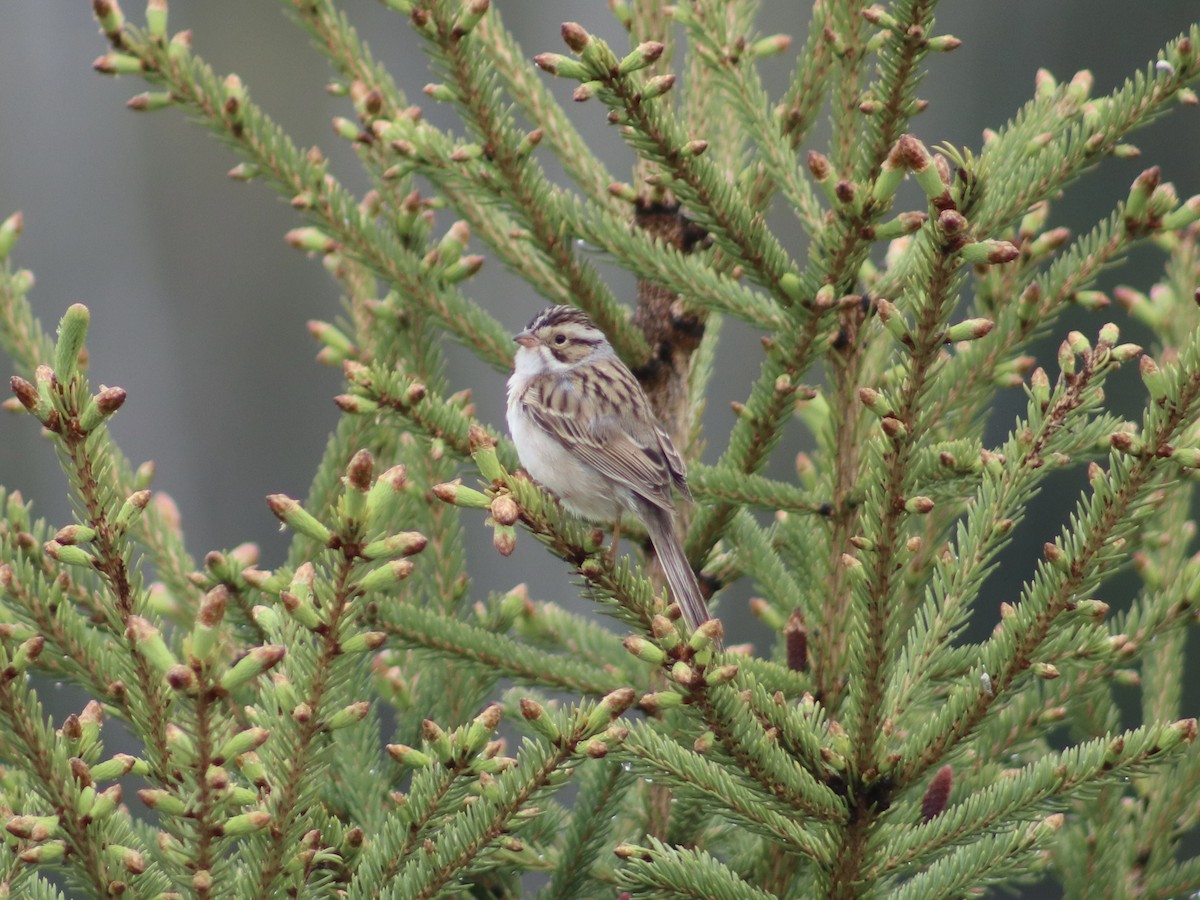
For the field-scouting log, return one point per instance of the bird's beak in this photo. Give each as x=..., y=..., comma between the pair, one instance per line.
x=525, y=339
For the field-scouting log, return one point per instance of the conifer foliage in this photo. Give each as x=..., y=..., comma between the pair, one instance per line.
x=357, y=720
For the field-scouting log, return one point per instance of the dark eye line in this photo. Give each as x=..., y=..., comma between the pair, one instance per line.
x=559, y=339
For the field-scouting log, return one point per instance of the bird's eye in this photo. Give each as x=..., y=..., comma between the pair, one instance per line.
x=560, y=339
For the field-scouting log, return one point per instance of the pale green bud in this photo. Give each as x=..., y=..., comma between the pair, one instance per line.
x=410, y=757
x=241, y=743
x=536, y=716
x=969, y=330
x=657, y=86
x=645, y=650
x=253, y=664
x=156, y=19
x=118, y=64
x=10, y=230
x=246, y=823
x=292, y=514
x=162, y=801
x=988, y=253
x=72, y=332
x=454, y=493
x=385, y=576
x=643, y=55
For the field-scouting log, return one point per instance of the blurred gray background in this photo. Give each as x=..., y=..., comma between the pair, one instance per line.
x=199, y=306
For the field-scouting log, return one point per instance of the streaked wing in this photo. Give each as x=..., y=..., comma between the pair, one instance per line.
x=674, y=462
x=586, y=423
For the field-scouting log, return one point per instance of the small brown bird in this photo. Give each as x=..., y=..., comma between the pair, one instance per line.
x=584, y=430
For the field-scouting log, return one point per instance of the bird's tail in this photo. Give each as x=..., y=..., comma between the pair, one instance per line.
x=685, y=590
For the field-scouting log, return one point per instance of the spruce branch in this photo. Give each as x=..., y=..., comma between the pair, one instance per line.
x=835, y=259
x=1161, y=696
x=530, y=93
x=680, y=273
x=29, y=346
x=701, y=105
x=1167, y=597
x=774, y=677
x=744, y=738
x=597, y=225
x=846, y=30
x=275, y=159
x=730, y=59
x=603, y=791
x=549, y=626
x=697, y=775
x=1042, y=300
x=442, y=419
x=408, y=342
x=891, y=96
x=45, y=598
x=1174, y=880
x=507, y=172
x=803, y=729
x=449, y=770
x=889, y=507
x=541, y=767
x=995, y=858
x=523, y=186
x=41, y=604
x=429, y=797
x=1053, y=425
x=431, y=631
x=21, y=335
x=1059, y=133
x=758, y=428
x=753, y=546
x=76, y=421
x=653, y=132
x=670, y=872
x=404, y=142
x=352, y=432
x=846, y=363
x=305, y=709
x=709, y=483
x=68, y=833
x=1073, y=566
x=1017, y=798
x=809, y=84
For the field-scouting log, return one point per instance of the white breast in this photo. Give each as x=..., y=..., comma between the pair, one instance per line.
x=581, y=488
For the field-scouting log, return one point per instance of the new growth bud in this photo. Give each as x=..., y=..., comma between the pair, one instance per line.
x=969, y=330
x=292, y=514
x=644, y=54
x=989, y=253
x=10, y=230
x=456, y=494
x=253, y=664
x=563, y=66
x=72, y=332
x=386, y=576
x=657, y=86
x=100, y=407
